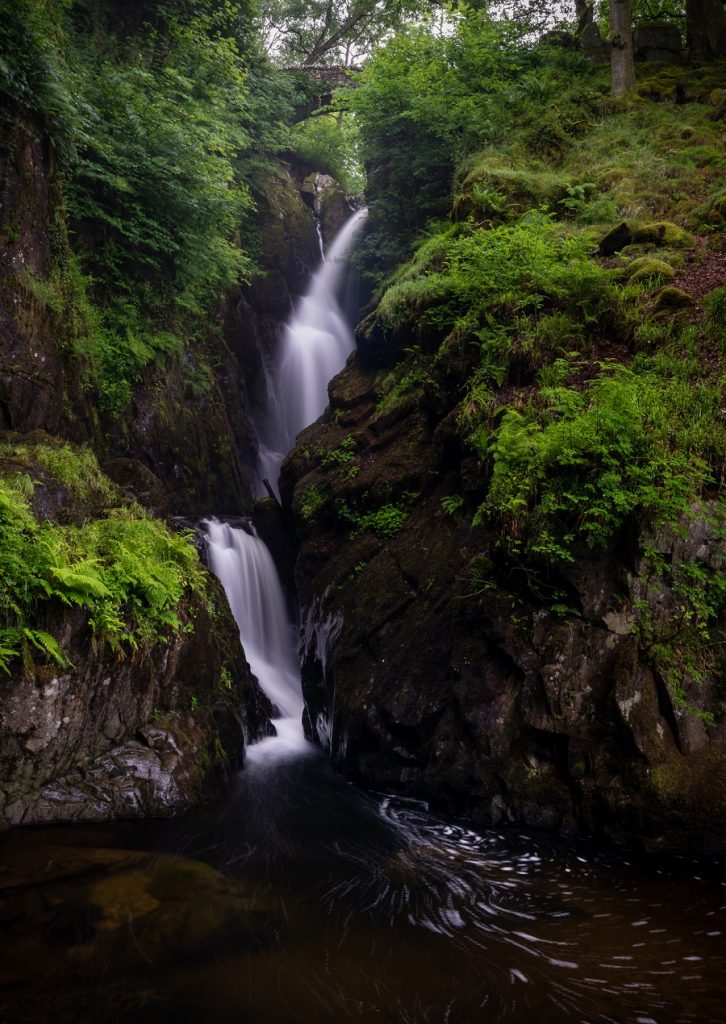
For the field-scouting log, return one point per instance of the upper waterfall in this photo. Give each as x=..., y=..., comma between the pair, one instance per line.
x=316, y=342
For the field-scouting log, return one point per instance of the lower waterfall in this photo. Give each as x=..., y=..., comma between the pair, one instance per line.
x=247, y=572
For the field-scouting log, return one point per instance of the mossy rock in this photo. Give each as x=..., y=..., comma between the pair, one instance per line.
x=660, y=233
x=630, y=253
x=672, y=300
x=497, y=190
x=648, y=268
x=663, y=233
x=616, y=239
x=711, y=214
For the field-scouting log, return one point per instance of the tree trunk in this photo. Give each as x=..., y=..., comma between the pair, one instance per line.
x=705, y=29
x=584, y=12
x=621, y=48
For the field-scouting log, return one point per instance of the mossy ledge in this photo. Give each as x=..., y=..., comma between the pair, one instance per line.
x=124, y=691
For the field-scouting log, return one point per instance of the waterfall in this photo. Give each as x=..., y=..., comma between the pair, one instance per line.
x=316, y=343
x=247, y=572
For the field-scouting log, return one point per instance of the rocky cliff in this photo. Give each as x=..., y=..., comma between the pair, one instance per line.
x=99, y=725
x=436, y=666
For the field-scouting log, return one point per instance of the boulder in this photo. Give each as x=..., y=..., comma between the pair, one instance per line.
x=648, y=269
x=143, y=736
x=672, y=300
x=657, y=42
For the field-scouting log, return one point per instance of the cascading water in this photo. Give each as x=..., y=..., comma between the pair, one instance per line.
x=315, y=345
x=247, y=572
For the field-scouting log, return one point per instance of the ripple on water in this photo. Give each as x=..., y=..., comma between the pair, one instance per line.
x=321, y=904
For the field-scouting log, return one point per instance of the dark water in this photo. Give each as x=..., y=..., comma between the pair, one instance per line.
x=329, y=905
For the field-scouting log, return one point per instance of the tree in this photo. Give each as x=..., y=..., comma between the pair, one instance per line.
x=331, y=32
x=621, y=48
x=705, y=29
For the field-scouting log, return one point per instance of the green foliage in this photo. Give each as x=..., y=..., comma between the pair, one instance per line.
x=551, y=335
x=393, y=389
x=343, y=455
x=577, y=466
x=470, y=272
x=493, y=189
x=320, y=33
x=685, y=648
x=127, y=572
x=33, y=76
x=715, y=303
x=155, y=174
x=76, y=469
x=452, y=504
x=329, y=143
x=152, y=126
x=310, y=502
x=428, y=101
x=386, y=521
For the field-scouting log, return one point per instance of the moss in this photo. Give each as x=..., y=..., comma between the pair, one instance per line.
x=671, y=299
x=494, y=189
x=662, y=233
x=711, y=213
x=647, y=268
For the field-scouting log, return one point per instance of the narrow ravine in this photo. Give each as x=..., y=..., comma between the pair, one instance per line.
x=300, y=898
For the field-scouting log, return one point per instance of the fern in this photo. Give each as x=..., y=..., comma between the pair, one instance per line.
x=129, y=573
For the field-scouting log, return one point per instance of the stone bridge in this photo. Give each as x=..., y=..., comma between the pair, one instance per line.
x=325, y=80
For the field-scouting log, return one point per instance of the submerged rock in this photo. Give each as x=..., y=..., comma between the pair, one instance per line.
x=117, y=911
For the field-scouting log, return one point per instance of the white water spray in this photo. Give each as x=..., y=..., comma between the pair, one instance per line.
x=315, y=345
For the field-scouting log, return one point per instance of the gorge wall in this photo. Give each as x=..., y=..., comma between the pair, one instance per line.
x=434, y=667
x=510, y=519
x=102, y=716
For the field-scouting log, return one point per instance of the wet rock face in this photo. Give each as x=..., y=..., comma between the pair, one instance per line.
x=186, y=443
x=147, y=735
x=33, y=375
x=327, y=199
x=432, y=666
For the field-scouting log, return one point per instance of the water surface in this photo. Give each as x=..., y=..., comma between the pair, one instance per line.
x=323, y=904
